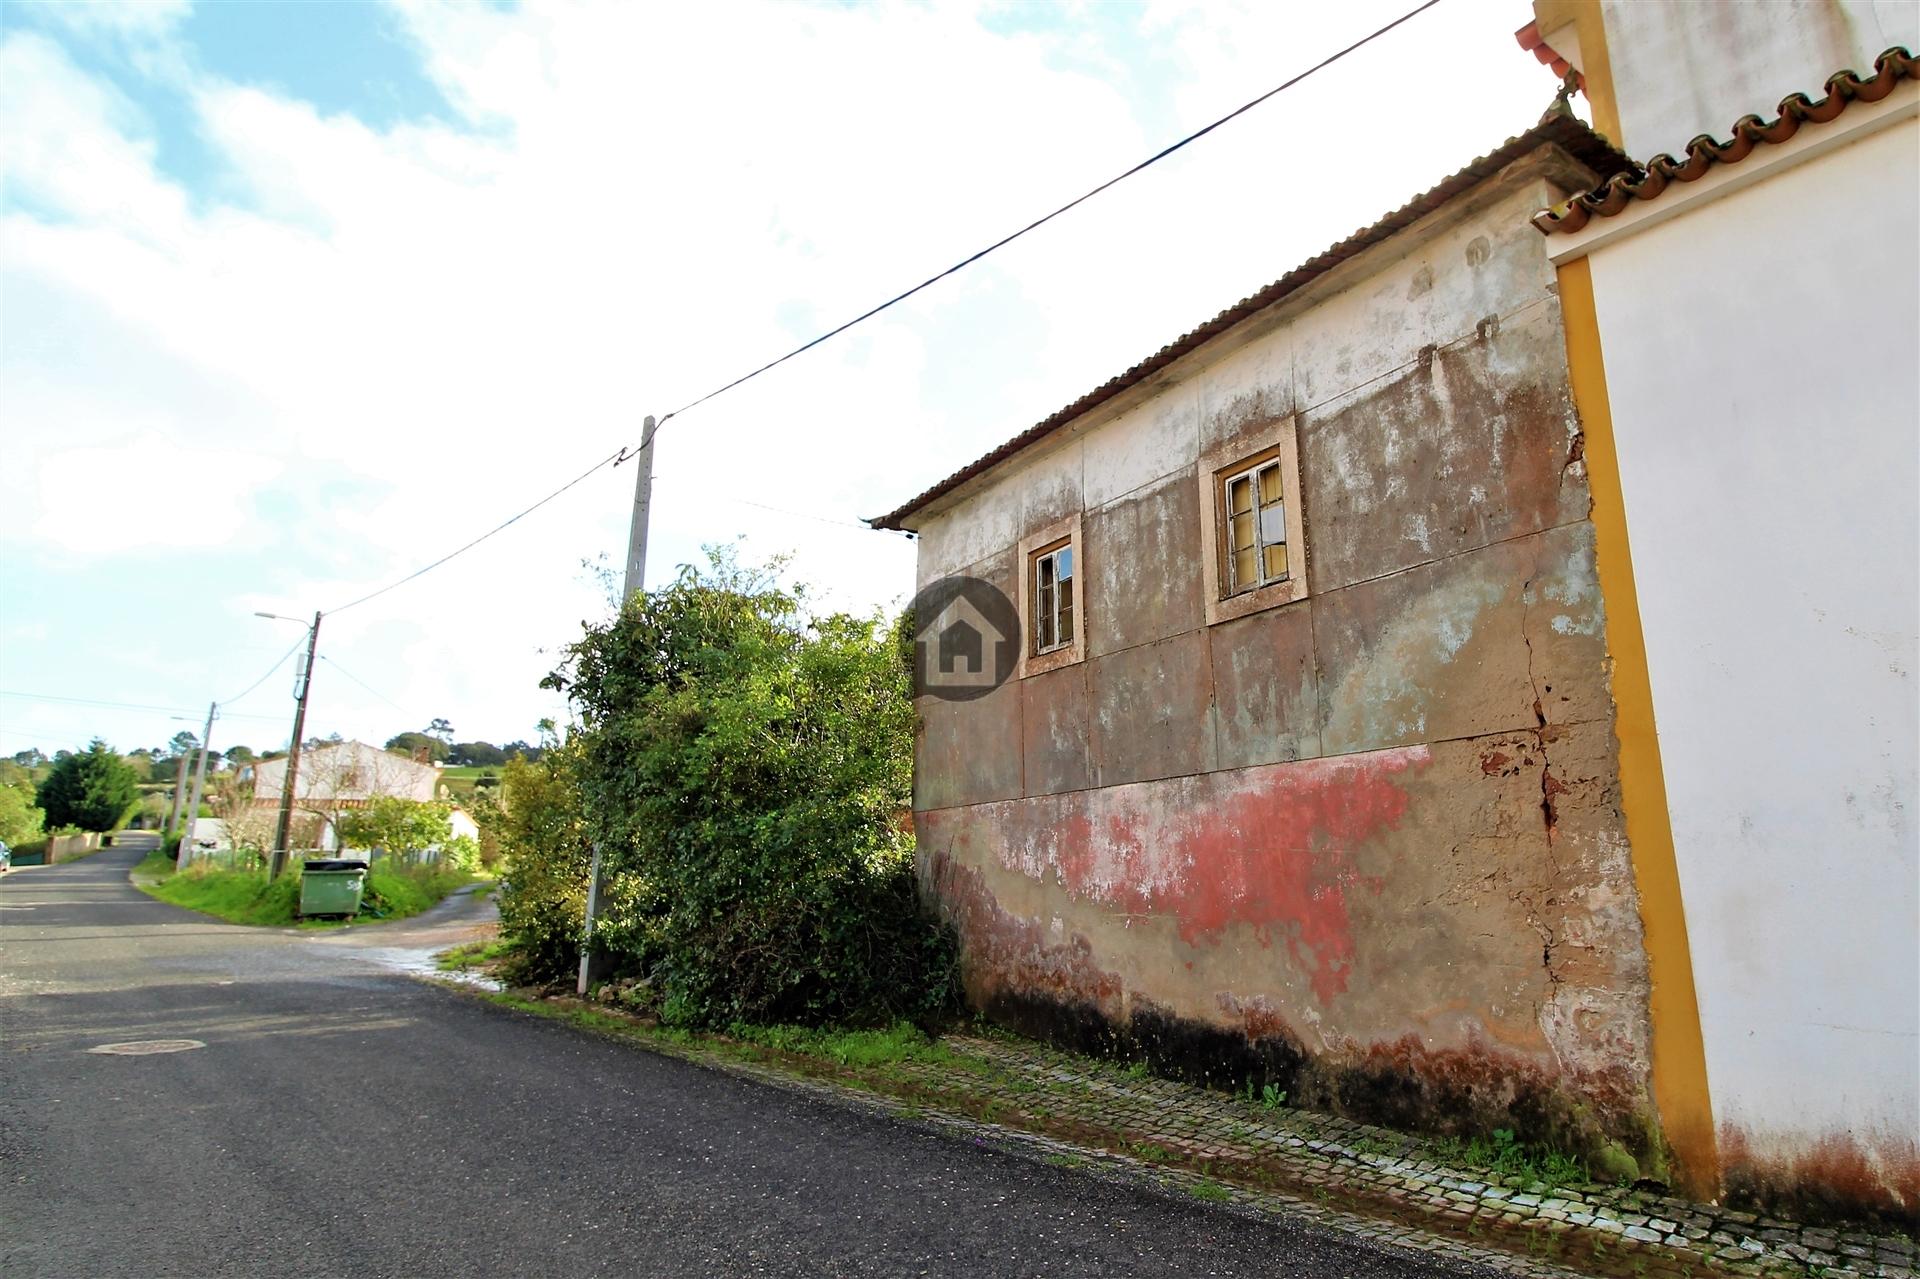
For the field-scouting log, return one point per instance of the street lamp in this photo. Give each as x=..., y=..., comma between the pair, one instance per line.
x=283, y=831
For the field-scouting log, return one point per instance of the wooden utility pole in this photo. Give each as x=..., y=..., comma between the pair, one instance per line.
x=592, y=964
x=185, y=852
x=282, y=833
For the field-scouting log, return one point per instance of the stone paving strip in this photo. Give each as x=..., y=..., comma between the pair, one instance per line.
x=1375, y=1184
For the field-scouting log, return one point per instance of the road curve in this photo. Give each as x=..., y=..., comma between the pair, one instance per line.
x=343, y=1120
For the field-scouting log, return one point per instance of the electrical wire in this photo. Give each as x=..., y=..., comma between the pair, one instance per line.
x=1037, y=223
x=624, y=453
x=612, y=459
x=799, y=515
x=187, y=711
x=270, y=670
x=363, y=684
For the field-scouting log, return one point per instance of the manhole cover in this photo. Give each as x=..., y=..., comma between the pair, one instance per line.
x=147, y=1047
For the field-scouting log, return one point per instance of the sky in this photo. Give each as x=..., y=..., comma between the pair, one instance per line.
x=297, y=298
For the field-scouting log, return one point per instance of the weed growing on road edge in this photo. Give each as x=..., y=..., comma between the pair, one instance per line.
x=903, y=1041
x=473, y=954
x=1211, y=1191
x=1505, y=1154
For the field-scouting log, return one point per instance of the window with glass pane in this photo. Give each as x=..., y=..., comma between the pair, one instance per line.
x=1256, y=527
x=1053, y=599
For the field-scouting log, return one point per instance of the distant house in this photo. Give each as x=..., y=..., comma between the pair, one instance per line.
x=342, y=776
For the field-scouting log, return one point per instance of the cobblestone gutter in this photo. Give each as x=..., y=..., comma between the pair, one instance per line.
x=1384, y=1186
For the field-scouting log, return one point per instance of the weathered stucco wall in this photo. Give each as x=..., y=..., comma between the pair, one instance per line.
x=1366, y=845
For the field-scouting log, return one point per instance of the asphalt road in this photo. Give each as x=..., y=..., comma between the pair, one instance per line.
x=346, y=1120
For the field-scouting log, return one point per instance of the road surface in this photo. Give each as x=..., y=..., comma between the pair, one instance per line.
x=343, y=1120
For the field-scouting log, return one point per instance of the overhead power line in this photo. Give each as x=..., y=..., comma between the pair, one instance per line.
x=363, y=684
x=610, y=460
x=270, y=670
x=1039, y=222
x=624, y=453
x=124, y=706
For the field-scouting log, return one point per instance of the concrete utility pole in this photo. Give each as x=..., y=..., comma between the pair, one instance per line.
x=282, y=833
x=637, y=530
x=179, y=797
x=185, y=852
x=592, y=964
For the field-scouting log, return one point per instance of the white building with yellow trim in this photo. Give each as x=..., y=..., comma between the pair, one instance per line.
x=1744, y=331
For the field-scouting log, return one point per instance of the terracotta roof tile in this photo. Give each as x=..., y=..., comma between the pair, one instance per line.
x=1533, y=42
x=1704, y=152
x=1556, y=128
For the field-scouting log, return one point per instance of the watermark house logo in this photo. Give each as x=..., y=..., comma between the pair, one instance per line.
x=966, y=639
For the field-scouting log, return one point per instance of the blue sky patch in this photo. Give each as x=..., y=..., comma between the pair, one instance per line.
x=343, y=58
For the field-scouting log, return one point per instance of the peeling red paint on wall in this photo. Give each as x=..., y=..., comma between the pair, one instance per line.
x=1268, y=848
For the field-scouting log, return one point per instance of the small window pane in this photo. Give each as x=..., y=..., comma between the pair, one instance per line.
x=1044, y=567
x=1243, y=568
x=1064, y=561
x=1276, y=562
x=1241, y=532
x=1273, y=523
x=1066, y=610
x=1239, y=495
x=1270, y=484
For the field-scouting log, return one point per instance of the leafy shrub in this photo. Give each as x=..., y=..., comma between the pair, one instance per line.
x=539, y=823
x=461, y=854
x=745, y=766
x=20, y=821
x=395, y=825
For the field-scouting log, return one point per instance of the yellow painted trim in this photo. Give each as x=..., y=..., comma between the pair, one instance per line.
x=1589, y=22
x=1680, y=1088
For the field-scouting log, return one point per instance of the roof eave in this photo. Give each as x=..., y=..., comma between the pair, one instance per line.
x=1598, y=156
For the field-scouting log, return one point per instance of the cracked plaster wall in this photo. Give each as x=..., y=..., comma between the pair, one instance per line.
x=1368, y=842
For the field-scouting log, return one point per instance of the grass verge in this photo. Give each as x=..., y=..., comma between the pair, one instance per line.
x=248, y=897
x=476, y=954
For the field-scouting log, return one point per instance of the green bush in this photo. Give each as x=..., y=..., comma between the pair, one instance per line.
x=540, y=827
x=20, y=821
x=745, y=767
x=461, y=853
x=393, y=825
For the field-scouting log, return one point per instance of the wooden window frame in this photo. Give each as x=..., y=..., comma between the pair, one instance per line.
x=1045, y=541
x=1280, y=443
x=1052, y=614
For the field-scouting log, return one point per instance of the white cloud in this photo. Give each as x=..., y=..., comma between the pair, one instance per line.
x=405, y=334
x=119, y=19
x=148, y=493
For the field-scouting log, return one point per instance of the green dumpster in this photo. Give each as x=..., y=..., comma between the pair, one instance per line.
x=332, y=886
